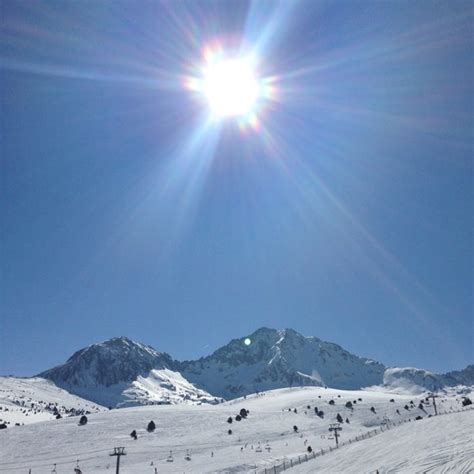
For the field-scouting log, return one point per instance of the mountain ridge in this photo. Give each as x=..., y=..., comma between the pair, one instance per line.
x=121, y=372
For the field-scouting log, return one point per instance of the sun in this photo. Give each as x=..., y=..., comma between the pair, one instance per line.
x=230, y=87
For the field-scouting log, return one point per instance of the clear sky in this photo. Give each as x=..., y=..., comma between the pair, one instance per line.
x=345, y=213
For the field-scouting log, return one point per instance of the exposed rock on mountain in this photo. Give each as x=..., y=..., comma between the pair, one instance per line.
x=269, y=359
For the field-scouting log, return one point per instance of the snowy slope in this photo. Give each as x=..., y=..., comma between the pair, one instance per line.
x=30, y=400
x=441, y=444
x=276, y=359
x=266, y=435
x=165, y=387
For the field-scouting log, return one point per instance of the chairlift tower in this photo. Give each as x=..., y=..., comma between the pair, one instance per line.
x=434, y=397
x=335, y=428
x=118, y=452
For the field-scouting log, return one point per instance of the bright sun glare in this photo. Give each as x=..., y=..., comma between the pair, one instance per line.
x=230, y=87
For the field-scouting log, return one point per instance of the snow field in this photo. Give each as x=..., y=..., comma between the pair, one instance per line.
x=262, y=439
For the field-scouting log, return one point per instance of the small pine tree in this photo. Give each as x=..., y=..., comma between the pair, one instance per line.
x=151, y=427
x=238, y=418
x=466, y=401
x=331, y=402
x=295, y=429
x=229, y=432
x=229, y=420
x=243, y=413
x=339, y=418
x=372, y=409
x=133, y=434
x=349, y=405
x=83, y=420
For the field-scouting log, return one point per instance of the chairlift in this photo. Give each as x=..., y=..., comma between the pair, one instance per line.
x=188, y=456
x=77, y=469
x=258, y=450
x=170, y=457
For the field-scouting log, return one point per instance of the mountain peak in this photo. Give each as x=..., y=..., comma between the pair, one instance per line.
x=270, y=358
x=111, y=362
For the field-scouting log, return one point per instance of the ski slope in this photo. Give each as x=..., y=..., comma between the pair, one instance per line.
x=264, y=438
x=32, y=400
x=440, y=444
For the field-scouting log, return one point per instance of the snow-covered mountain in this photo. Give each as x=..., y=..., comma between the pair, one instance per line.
x=459, y=377
x=269, y=359
x=419, y=380
x=412, y=380
x=120, y=372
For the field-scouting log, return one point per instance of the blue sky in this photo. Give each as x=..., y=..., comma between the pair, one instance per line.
x=347, y=215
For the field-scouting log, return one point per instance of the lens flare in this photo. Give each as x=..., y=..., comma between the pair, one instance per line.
x=231, y=87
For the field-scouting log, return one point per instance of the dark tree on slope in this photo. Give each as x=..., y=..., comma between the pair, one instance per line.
x=229, y=420
x=243, y=413
x=151, y=426
x=83, y=420
x=339, y=418
x=466, y=401
x=133, y=434
x=295, y=429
